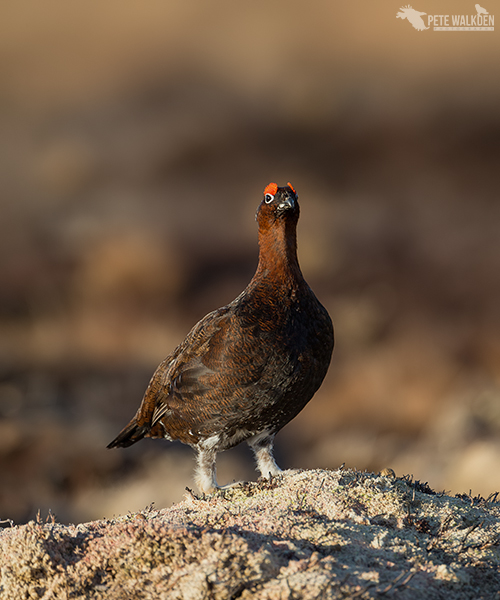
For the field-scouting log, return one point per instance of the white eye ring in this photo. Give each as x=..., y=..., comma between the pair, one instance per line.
x=268, y=198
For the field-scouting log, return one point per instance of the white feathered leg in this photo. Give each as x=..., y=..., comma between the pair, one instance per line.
x=262, y=446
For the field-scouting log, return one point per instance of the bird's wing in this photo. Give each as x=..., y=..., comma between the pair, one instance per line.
x=206, y=376
x=186, y=386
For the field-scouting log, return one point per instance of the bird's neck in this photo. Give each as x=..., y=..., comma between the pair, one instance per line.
x=278, y=255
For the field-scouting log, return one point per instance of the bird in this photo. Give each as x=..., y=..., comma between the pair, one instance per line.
x=480, y=10
x=247, y=369
x=413, y=16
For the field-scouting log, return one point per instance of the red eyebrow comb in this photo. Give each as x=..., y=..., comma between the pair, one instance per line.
x=271, y=188
x=292, y=188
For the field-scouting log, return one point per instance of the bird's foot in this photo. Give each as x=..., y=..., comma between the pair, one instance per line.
x=291, y=471
x=211, y=486
x=229, y=486
x=215, y=487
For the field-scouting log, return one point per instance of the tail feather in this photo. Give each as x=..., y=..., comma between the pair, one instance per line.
x=131, y=434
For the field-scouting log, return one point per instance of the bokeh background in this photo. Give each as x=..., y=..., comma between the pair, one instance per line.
x=136, y=139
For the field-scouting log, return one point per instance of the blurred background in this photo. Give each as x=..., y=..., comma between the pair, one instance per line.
x=136, y=139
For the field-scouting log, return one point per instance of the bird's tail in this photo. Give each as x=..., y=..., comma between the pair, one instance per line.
x=131, y=434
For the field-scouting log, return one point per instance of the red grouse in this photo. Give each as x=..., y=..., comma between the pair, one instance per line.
x=247, y=369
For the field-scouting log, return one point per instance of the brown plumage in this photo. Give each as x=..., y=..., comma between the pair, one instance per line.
x=247, y=369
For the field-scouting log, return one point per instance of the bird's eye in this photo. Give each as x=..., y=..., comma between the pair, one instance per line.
x=268, y=198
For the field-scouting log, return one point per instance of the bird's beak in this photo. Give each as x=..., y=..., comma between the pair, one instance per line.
x=286, y=203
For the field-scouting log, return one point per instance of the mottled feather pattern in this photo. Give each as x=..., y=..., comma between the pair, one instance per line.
x=246, y=369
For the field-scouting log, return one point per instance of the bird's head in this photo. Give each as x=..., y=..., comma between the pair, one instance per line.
x=279, y=204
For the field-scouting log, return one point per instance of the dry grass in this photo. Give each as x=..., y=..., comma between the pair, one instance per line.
x=308, y=534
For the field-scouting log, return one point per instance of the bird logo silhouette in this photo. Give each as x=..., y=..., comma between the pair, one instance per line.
x=413, y=16
x=481, y=10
